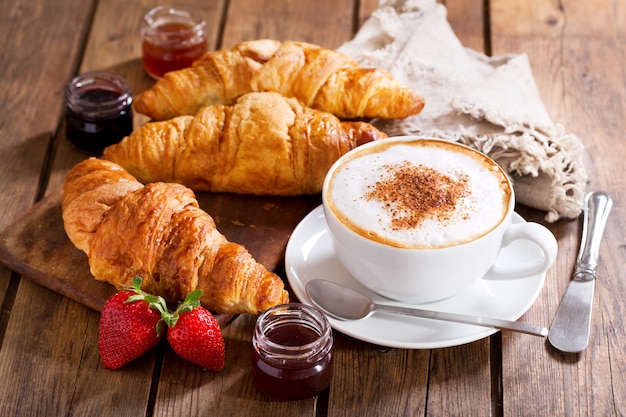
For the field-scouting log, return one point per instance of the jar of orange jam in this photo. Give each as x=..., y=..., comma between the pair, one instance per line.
x=292, y=352
x=173, y=38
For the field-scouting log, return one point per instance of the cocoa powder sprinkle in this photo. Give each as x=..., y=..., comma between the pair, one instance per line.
x=414, y=193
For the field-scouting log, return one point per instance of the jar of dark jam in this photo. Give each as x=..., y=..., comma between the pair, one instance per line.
x=292, y=352
x=173, y=38
x=98, y=111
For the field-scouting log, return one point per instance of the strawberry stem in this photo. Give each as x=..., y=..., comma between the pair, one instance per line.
x=155, y=302
x=191, y=301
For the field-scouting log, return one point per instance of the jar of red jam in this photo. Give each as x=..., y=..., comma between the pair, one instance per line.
x=98, y=111
x=292, y=352
x=173, y=38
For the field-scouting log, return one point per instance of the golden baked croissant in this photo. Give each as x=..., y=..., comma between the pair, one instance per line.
x=318, y=77
x=265, y=144
x=159, y=232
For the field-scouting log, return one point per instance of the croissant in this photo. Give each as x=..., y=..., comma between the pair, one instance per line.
x=320, y=78
x=265, y=144
x=159, y=232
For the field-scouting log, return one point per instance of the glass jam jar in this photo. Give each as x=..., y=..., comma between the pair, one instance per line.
x=173, y=38
x=98, y=111
x=292, y=352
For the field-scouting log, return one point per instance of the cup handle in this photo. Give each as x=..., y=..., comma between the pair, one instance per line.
x=540, y=236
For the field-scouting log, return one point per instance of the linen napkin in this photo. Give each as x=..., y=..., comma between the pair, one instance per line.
x=489, y=103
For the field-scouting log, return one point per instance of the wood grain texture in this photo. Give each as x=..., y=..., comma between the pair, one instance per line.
x=48, y=353
x=114, y=44
x=538, y=33
x=36, y=244
x=324, y=22
x=467, y=19
x=36, y=60
x=376, y=381
x=251, y=20
x=189, y=392
x=575, y=50
x=366, y=7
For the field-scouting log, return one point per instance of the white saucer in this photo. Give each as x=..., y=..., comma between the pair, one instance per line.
x=309, y=255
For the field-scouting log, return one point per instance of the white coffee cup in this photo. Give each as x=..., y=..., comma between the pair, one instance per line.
x=419, y=219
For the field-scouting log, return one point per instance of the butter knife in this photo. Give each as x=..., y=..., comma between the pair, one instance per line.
x=571, y=326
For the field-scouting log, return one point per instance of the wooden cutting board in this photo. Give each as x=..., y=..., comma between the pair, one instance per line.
x=37, y=247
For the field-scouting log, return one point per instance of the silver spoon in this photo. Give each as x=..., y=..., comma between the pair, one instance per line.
x=347, y=304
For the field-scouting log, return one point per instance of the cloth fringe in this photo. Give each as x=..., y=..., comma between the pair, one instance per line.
x=489, y=103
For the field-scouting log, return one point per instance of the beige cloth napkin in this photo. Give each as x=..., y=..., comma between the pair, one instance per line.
x=489, y=103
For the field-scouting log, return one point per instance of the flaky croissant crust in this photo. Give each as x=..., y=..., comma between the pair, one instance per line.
x=159, y=232
x=264, y=144
x=317, y=77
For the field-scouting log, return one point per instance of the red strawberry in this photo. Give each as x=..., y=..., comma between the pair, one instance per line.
x=195, y=335
x=129, y=326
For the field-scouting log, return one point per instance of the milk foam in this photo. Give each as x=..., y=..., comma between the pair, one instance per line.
x=480, y=188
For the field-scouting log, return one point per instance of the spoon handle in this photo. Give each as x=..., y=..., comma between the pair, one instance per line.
x=467, y=319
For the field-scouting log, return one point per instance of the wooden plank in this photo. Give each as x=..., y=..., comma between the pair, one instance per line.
x=467, y=19
x=460, y=377
x=33, y=345
x=402, y=386
x=37, y=246
x=577, y=57
x=323, y=22
x=366, y=7
x=115, y=45
x=37, y=56
x=70, y=356
x=374, y=381
x=446, y=386
x=535, y=36
x=194, y=391
x=232, y=392
x=451, y=381
x=37, y=60
x=460, y=380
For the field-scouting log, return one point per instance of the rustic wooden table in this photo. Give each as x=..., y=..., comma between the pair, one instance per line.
x=49, y=362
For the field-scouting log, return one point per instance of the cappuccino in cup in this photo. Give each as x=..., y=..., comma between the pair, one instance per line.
x=420, y=194
x=420, y=219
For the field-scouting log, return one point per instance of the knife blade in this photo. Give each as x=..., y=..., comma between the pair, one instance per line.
x=572, y=323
